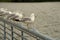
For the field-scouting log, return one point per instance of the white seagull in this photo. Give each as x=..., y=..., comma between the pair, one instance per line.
x=20, y=15
x=11, y=14
x=3, y=11
x=15, y=16
x=27, y=20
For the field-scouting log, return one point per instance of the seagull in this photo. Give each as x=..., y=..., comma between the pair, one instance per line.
x=11, y=14
x=3, y=11
x=6, y=13
x=15, y=15
x=26, y=20
x=20, y=15
x=29, y=20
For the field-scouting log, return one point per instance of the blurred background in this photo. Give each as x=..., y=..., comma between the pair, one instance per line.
x=29, y=0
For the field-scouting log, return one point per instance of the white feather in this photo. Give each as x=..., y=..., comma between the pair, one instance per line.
x=32, y=17
x=20, y=15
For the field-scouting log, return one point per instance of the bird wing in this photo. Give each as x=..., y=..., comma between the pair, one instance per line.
x=26, y=19
x=10, y=15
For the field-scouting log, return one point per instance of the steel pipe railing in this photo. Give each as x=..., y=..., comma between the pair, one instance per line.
x=13, y=32
x=29, y=32
x=6, y=37
x=8, y=34
x=4, y=31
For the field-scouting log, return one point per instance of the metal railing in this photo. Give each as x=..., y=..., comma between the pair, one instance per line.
x=22, y=29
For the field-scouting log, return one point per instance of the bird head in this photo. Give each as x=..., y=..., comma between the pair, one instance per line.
x=20, y=15
x=9, y=12
x=32, y=17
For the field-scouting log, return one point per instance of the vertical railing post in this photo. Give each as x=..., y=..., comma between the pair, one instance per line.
x=4, y=31
x=11, y=32
x=22, y=35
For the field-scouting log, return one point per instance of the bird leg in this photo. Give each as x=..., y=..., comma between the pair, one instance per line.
x=27, y=26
